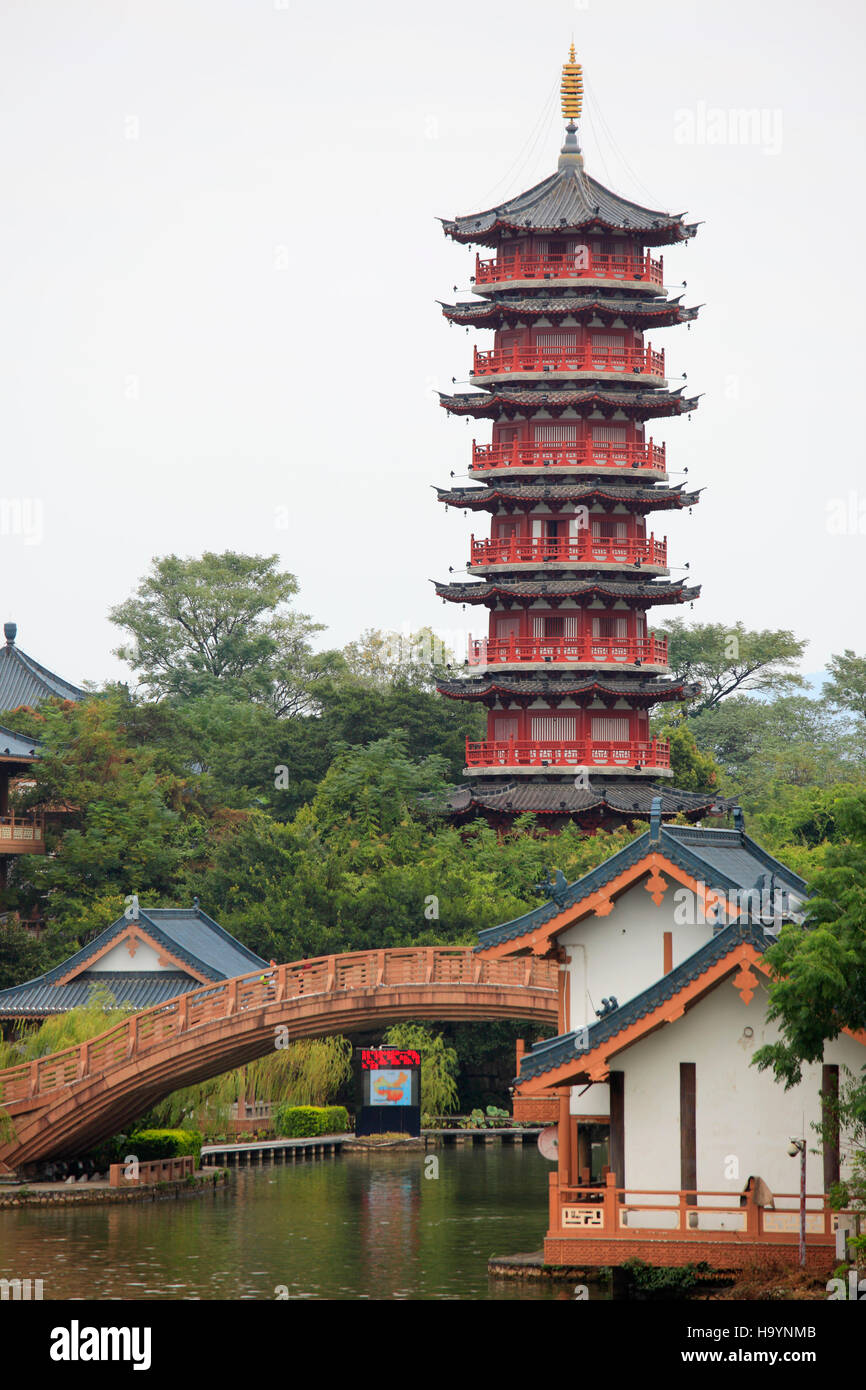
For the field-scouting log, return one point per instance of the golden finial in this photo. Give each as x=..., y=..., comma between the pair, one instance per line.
x=572, y=88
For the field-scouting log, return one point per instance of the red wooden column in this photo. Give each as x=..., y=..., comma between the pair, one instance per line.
x=688, y=1131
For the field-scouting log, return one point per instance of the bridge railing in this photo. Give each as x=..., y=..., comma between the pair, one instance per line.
x=358, y=970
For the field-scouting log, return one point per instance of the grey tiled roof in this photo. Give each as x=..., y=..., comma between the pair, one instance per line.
x=139, y=990
x=557, y=1052
x=641, y=496
x=664, y=592
x=725, y=860
x=569, y=199
x=24, y=682
x=188, y=933
x=639, y=402
x=550, y=796
x=490, y=312
x=650, y=687
x=14, y=745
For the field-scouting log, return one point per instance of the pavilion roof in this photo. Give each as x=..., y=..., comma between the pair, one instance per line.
x=566, y=201
x=727, y=861
x=23, y=681
x=522, y=400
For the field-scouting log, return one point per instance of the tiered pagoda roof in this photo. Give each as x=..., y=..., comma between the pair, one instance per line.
x=637, y=498
x=644, y=595
x=570, y=199
x=493, y=313
x=642, y=691
x=639, y=403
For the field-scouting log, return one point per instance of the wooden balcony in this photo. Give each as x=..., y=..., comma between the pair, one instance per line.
x=582, y=265
x=636, y=755
x=582, y=454
x=583, y=357
x=583, y=548
x=22, y=834
x=724, y=1228
x=490, y=651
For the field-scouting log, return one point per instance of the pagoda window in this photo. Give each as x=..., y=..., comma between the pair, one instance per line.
x=555, y=434
x=608, y=528
x=548, y=625
x=611, y=728
x=566, y=337
x=505, y=528
x=608, y=434
x=507, y=625
x=554, y=250
x=505, y=435
x=610, y=625
x=561, y=728
x=640, y=626
x=545, y=529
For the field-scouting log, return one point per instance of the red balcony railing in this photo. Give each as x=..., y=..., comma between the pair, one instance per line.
x=582, y=265
x=580, y=454
x=488, y=651
x=555, y=753
x=582, y=548
x=583, y=357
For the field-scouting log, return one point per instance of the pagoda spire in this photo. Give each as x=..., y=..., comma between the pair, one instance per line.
x=571, y=93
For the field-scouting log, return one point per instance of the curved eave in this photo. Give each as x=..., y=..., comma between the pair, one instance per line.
x=643, y=404
x=646, y=595
x=642, y=695
x=638, y=498
x=493, y=312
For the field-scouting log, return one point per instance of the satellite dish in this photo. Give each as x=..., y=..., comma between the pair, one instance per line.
x=548, y=1143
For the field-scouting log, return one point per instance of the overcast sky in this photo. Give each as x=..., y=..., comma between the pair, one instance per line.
x=221, y=261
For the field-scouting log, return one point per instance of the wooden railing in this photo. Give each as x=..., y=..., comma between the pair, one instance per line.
x=579, y=454
x=684, y=1214
x=23, y=833
x=582, y=265
x=154, y=1170
x=486, y=651
x=580, y=358
x=428, y=966
x=581, y=548
x=513, y=752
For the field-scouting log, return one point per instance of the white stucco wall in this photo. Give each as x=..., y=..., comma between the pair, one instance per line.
x=740, y=1111
x=623, y=953
x=119, y=959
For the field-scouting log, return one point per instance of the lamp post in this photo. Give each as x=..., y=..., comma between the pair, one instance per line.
x=798, y=1146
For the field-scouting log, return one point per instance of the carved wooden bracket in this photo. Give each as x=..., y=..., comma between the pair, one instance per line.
x=656, y=885
x=746, y=983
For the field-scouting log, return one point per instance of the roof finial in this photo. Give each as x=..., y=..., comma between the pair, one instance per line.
x=10, y=632
x=572, y=103
x=572, y=88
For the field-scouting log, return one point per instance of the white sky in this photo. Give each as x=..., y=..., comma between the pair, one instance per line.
x=220, y=263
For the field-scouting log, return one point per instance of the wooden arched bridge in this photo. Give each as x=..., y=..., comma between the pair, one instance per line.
x=63, y=1104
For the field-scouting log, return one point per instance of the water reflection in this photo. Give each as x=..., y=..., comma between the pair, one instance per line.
x=368, y=1226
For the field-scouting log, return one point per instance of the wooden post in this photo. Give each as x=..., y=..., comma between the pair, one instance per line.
x=688, y=1131
x=380, y=975
x=616, y=1081
x=182, y=1013
x=231, y=998
x=609, y=1202
x=132, y=1035
x=555, y=1212
x=564, y=1129
x=83, y=1060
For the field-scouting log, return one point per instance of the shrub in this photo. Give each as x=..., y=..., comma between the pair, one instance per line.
x=308, y=1121
x=148, y=1144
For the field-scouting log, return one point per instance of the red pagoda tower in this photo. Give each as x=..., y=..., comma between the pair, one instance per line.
x=569, y=668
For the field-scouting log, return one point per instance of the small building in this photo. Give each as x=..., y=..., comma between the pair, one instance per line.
x=671, y=1146
x=23, y=682
x=158, y=954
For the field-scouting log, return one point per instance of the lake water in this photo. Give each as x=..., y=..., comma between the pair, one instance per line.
x=361, y=1226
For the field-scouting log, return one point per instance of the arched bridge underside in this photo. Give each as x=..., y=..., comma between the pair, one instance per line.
x=63, y=1104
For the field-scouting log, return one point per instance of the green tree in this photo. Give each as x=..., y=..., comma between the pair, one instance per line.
x=729, y=658
x=216, y=618
x=846, y=688
x=438, y=1065
x=820, y=967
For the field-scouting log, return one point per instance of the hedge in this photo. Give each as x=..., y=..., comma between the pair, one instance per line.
x=308, y=1121
x=148, y=1144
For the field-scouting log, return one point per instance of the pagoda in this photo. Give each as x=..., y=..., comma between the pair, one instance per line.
x=571, y=478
